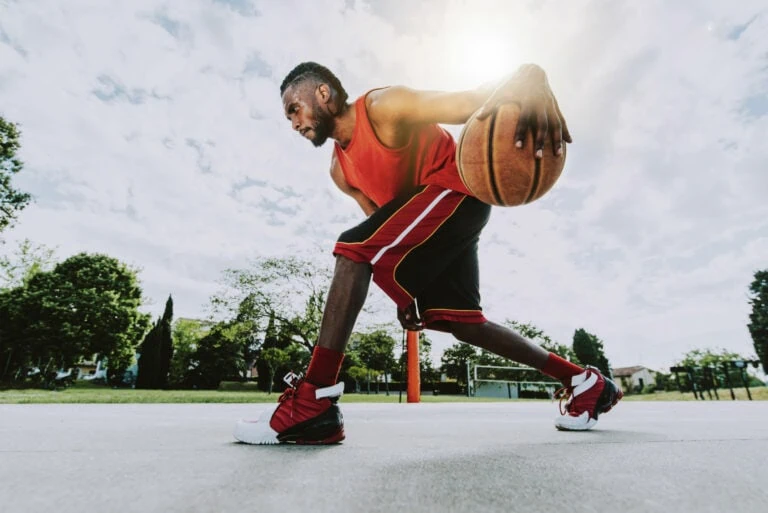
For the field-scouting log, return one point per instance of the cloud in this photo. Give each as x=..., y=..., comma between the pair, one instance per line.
x=153, y=131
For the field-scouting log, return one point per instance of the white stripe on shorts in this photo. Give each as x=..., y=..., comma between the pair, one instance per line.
x=410, y=226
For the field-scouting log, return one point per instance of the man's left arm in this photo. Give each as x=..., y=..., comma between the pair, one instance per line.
x=415, y=106
x=528, y=86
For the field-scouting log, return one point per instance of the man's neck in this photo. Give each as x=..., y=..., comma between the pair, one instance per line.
x=345, y=126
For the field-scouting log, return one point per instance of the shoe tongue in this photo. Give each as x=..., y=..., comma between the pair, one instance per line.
x=578, y=379
x=306, y=389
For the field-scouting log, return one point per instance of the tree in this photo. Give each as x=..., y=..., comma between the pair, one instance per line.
x=12, y=201
x=455, y=358
x=16, y=350
x=87, y=305
x=102, y=297
x=219, y=356
x=28, y=260
x=664, y=382
x=288, y=290
x=706, y=357
x=186, y=335
x=16, y=270
x=427, y=371
x=589, y=351
x=149, y=359
x=248, y=327
x=166, y=345
x=265, y=379
x=758, y=319
x=376, y=350
x=274, y=358
x=713, y=359
x=373, y=375
x=351, y=359
x=488, y=358
x=298, y=360
x=358, y=373
x=426, y=367
x=157, y=352
x=536, y=335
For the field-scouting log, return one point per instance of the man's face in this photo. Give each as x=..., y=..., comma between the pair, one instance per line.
x=307, y=115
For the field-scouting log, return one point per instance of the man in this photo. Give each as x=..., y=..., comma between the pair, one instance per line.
x=419, y=241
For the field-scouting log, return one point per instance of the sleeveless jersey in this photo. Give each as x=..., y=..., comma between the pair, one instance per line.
x=382, y=173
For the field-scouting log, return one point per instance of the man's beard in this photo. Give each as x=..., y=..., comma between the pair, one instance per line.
x=323, y=127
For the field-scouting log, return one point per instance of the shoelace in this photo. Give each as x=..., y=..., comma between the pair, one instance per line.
x=564, y=394
x=293, y=380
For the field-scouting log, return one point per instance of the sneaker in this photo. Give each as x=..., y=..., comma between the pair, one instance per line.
x=589, y=395
x=305, y=414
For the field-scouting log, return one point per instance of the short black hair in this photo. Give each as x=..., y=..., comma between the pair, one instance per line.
x=307, y=70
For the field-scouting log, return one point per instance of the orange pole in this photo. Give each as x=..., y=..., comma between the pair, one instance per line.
x=414, y=375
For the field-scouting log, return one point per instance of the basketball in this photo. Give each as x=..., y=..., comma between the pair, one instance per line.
x=495, y=170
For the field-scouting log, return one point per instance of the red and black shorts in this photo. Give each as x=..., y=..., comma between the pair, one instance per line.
x=423, y=248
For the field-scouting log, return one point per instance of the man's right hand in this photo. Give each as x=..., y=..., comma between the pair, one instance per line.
x=409, y=318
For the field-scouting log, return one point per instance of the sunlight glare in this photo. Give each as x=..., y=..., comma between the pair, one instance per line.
x=478, y=52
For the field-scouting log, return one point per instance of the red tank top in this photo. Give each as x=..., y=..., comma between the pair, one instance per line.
x=383, y=173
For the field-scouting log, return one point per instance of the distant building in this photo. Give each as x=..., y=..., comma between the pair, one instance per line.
x=634, y=379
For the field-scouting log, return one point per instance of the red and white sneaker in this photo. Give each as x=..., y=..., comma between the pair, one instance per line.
x=589, y=394
x=305, y=414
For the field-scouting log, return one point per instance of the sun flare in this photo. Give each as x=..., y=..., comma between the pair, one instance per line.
x=475, y=53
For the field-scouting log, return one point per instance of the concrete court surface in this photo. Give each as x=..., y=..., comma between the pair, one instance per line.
x=463, y=457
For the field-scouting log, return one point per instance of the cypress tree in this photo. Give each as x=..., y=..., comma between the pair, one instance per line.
x=149, y=358
x=589, y=351
x=165, y=352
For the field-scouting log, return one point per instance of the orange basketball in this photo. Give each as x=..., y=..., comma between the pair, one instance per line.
x=497, y=172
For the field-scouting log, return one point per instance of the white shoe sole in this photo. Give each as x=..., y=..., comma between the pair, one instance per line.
x=576, y=426
x=255, y=433
x=259, y=432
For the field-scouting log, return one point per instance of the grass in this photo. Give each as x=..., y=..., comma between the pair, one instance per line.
x=86, y=393
x=83, y=393
x=758, y=394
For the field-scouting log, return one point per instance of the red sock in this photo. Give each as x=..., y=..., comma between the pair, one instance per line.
x=560, y=368
x=324, y=366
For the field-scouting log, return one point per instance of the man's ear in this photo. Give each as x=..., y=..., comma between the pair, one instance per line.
x=324, y=94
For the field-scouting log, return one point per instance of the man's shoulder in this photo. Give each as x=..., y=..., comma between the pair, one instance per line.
x=387, y=105
x=373, y=97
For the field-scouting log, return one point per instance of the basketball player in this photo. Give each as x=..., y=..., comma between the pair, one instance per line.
x=419, y=240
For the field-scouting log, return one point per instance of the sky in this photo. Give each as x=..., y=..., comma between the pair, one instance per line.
x=153, y=131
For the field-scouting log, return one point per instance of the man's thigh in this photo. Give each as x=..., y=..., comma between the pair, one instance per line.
x=411, y=241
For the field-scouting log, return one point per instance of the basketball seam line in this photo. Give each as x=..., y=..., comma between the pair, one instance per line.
x=491, y=172
x=535, y=186
x=458, y=158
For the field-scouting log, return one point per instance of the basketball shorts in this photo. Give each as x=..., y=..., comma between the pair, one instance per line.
x=423, y=248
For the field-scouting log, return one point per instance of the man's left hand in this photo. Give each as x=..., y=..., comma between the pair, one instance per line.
x=539, y=111
x=409, y=318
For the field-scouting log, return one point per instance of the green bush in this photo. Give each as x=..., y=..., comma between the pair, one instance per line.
x=649, y=389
